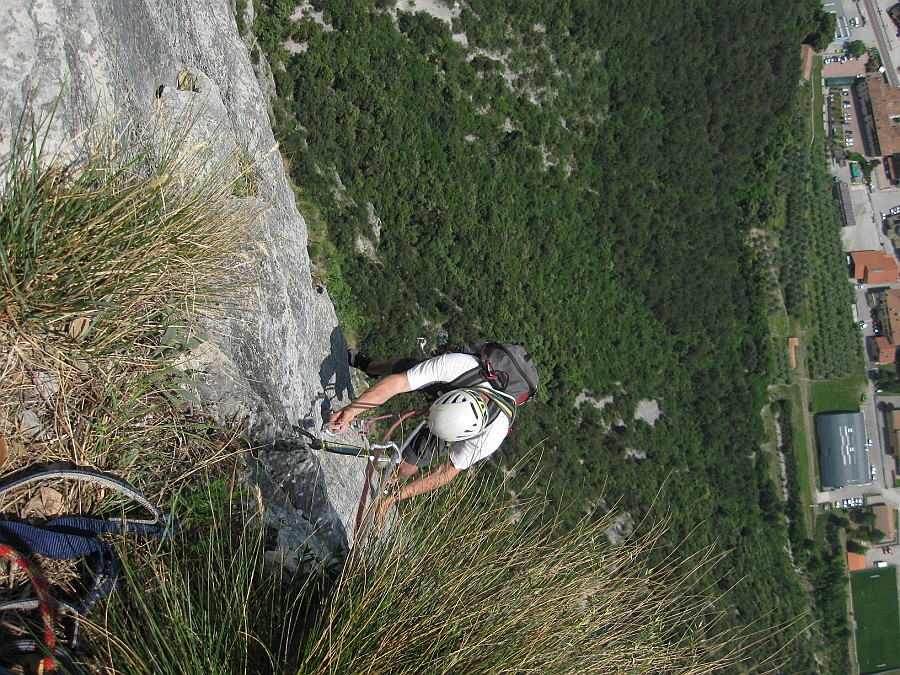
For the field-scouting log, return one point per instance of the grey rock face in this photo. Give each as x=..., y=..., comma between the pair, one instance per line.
x=284, y=358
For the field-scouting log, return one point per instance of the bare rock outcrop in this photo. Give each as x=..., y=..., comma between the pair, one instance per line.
x=282, y=358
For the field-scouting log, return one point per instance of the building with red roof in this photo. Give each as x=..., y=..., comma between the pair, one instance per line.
x=890, y=319
x=886, y=350
x=874, y=267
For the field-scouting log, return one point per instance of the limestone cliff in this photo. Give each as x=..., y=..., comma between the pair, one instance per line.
x=277, y=361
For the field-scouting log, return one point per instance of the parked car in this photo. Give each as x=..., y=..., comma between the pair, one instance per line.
x=846, y=104
x=880, y=563
x=862, y=324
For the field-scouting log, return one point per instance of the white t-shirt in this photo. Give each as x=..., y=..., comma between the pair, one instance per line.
x=446, y=368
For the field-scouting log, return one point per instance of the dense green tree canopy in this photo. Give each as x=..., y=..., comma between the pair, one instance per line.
x=583, y=177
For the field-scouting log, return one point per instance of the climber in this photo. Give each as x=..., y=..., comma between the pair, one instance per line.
x=467, y=422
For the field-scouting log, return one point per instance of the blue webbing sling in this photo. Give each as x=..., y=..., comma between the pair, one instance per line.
x=75, y=537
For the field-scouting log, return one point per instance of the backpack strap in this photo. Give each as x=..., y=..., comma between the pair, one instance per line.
x=498, y=402
x=470, y=378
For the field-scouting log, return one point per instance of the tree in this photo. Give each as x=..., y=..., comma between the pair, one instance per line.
x=822, y=33
x=863, y=517
x=854, y=546
x=857, y=48
x=874, y=534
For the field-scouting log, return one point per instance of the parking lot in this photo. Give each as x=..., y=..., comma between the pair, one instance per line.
x=843, y=115
x=867, y=208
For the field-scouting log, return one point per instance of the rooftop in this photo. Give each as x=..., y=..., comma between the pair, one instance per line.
x=874, y=267
x=884, y=520
x=887, y=350
x=841, y=439
x=886, y=110
x=892, y=304
x=855, y=562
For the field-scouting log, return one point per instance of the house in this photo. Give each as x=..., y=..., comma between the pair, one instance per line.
x=885, y=109
x=890, y=315
x=894, y=432
x=874, y=267
x=891, y=165
x=885, y=351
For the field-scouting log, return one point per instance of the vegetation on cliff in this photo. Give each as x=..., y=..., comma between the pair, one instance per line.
x=110, y=248
x=464, y=588
x=582, y=177
x=108, y=253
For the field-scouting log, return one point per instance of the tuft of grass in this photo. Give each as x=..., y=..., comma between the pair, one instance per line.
x=473, y=583
x=110, y=249
x=101, y=244
x=468, y=582
x=204, y=603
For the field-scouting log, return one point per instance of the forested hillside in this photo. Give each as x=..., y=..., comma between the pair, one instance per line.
x=580, y=176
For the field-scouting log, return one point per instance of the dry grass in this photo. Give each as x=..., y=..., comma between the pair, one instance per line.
x=464, y=589
x=108, y=256
x=110, y=250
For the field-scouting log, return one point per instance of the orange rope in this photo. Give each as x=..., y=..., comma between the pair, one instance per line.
x=45, y=604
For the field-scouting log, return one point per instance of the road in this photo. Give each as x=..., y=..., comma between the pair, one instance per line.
x=878, y=20
x=874, y=410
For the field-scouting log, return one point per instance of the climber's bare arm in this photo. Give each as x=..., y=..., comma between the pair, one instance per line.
x=383, y=390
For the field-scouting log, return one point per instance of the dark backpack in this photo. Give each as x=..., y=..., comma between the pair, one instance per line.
x=509, y=369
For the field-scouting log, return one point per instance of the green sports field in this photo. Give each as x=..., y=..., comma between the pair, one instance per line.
x=877, y=618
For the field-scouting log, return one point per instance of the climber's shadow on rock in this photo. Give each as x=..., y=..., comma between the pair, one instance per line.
x=296, y=491
x=334, y=374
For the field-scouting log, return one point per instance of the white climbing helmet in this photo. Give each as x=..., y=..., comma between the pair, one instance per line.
x=458, y=415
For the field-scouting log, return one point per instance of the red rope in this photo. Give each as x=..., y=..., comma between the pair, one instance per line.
x=371, y=469
x=45, y=604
